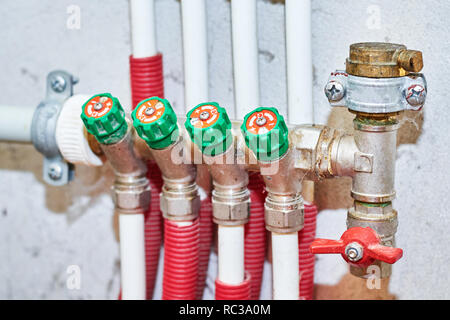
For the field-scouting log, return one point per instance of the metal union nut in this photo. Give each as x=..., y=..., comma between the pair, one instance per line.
x=284, y=221
x=229, y=213
x=132, y=199
x=179, y=208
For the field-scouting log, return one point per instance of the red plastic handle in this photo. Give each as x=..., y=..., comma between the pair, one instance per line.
x=365, y=244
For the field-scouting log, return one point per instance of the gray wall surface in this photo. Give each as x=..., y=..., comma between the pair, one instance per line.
x=43, y=229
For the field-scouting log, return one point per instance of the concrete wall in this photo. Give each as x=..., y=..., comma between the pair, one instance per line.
x=43, y=229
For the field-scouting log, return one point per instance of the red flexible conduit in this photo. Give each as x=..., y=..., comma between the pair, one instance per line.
x=147, y=78
x=234, y=292
x=255, y=234
x=306, y=258
x=153, y=229
x=181, y=251
x=206, y=236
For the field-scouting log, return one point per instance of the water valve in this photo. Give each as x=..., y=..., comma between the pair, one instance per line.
x=358, y=246
x=156, y=122
x=266, y=133
x=209, y=127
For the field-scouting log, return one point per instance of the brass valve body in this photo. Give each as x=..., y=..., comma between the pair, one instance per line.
x=382, y=60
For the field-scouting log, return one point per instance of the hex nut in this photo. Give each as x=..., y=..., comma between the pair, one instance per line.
x=230, y=213
x=284, y=221
x=131, y=199
x=179, y=208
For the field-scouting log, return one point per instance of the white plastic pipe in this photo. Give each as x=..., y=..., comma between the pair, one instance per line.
x=299, y=61
x=132, y=256
x=285, y=266
x=245, y=56
x=195, y=52
x=231, y=254
x=15, y=123
x=143, y=34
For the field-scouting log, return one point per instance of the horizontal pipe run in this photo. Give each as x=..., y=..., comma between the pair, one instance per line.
x=15, y=123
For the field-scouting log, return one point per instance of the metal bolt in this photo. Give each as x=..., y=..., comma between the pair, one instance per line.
x=58, y=83
x=416, y=95
x=149, y=111
x=354, y=251
x=204, y=115
x=334, y=91
x=55, y=171
x=261, y=121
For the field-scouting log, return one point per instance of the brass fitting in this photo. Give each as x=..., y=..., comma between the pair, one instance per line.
x=230, y=196
x=382, y=60
x=131, y=189
x=380, y=81
x=179, y=200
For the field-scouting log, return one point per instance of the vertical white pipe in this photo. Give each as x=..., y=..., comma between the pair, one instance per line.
x=245, y=56
x=285, y=267
x=231, y=254
x=299, y=61
x=132, y=256
x=143, y=33
x=15, y=123
x=195, y=52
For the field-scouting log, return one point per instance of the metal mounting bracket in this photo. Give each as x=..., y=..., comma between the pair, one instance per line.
x=56, y=171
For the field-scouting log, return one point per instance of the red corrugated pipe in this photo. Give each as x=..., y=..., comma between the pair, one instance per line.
x=181, y=252
x=153, y=229
x=147, y=78
x=206, y=236
x=306, y=259
x=234, y=292
x=255, y=234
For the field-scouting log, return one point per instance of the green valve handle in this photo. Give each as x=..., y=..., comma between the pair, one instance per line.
x=156, y=122
x=104, y=118
x=266, y=134
x=209, y=127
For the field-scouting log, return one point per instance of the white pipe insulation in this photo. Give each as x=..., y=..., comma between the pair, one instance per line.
x=231, y=254
x=15, y=123
x=132, y=256
x=195, y=52
x=143, y=33
x=299, y=61
x=245, y=56
x=285, y=266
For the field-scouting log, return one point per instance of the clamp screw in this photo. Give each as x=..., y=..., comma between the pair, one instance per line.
x=416, y=95
x=55, y=171
x=261, y=121
x=334, y=91
x=149, y=111
x=58, y=83
x=354, y=251
x=204, y=115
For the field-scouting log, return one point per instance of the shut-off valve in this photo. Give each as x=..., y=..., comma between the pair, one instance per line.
x=381, y=81
x=358, y=246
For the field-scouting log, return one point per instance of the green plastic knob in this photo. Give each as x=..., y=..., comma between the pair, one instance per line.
x=266, y=134
x=156, y=122
x=104, y=118
x=209, y=127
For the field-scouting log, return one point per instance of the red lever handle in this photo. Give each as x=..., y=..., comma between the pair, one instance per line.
x=359, y=246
